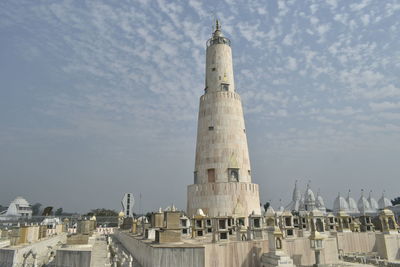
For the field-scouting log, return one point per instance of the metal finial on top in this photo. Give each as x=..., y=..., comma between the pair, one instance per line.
x=217, y=26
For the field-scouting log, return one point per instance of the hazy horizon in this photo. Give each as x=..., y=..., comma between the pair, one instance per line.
x=98, y=98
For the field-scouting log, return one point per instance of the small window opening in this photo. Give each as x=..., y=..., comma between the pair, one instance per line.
x=224, y=87
x=233, y=174
x=222, y=224
x=213, y=69
x=211, y=128
x=223, y=236
x=240, y=221
x=211, y=175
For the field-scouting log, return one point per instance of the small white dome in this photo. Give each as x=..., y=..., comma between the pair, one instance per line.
x=384, y=202
x=270, y=211
x=352, y=204
x=200, y=212
x=20, y=201
x=363, y=204
x=340, y=204
x=372, y=202
x=309, y=195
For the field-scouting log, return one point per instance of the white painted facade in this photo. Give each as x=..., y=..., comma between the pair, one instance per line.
x=127, y=204
x=19, y=207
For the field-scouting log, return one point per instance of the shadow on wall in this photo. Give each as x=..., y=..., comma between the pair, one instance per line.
x=253, y=258
x=297, y=259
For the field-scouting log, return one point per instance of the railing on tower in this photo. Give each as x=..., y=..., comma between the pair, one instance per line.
x=218, y=40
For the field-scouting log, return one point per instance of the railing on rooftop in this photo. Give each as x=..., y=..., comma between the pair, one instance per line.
x=218, y=40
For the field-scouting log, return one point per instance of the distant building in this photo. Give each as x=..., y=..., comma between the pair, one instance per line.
x=127, y=204
x=19, y=207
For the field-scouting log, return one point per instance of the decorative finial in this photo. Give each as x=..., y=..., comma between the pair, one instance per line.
x=217, y=26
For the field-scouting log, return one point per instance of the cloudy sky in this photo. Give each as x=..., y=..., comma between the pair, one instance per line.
x=101, y=98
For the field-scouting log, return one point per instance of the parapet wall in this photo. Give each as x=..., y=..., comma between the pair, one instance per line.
x=300, y=251
x=166, y=256
x=352, y=242
x=235, y=254
x=14, y=256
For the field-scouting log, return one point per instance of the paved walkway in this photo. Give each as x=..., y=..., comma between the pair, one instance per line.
x=99, y=253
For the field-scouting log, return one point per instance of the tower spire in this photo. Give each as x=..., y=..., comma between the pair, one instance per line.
x=217, y=26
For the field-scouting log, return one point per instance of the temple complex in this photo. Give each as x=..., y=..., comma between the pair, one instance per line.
x=224, y=224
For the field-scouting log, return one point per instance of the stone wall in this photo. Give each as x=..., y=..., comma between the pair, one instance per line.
x=235, y=254
x=388, y=246
x=224, y=198
x=68, y=257
x=299, y=249
x=15, y=255
x=165, y=256
x=350, y=242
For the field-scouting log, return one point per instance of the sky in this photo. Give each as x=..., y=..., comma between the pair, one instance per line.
x=99, y=98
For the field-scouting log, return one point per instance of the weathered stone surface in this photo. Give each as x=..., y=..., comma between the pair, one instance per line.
x=222, y=183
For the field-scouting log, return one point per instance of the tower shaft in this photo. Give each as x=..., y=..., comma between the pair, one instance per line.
x=222, y=175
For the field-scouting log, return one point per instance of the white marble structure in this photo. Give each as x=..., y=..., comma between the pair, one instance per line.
x=127, y=204
x=222, y=175
x=19, y=207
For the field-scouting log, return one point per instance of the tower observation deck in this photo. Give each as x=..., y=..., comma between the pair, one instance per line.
x=222, y=174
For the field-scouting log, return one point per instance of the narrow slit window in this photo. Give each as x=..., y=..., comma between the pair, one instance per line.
x=211, y=128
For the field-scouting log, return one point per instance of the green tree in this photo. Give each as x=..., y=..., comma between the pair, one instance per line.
x=59, y=212
x=36, y=209
x=266, y=205
x=102, y=213
x=395, y=201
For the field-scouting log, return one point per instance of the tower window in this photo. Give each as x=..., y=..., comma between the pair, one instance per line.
x=211, y=128
x=233, y=175
x=211, y=175
x=213, y=69
x=224, y=87
x=195, y=177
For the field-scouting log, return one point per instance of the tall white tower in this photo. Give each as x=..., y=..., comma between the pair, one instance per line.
x=127, y=203
x=222, y=175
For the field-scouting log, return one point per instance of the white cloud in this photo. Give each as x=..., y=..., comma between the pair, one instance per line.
x=379, y=106
x=359, y=6
x=292, y=64
x=365, y=19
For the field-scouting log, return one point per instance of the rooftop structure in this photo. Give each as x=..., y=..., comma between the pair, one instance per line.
x=19, y=207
